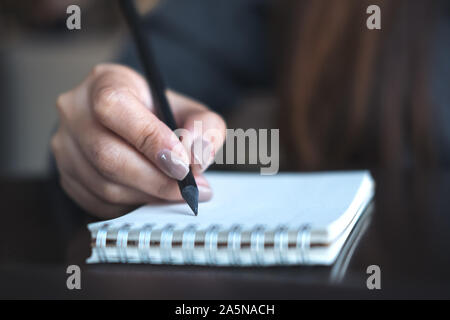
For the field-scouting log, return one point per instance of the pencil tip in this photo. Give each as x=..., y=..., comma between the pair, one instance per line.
x=190, y=195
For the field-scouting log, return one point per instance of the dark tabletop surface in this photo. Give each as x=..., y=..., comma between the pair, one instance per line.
x=406, y=233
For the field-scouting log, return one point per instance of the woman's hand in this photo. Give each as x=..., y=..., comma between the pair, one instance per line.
x=112, y=151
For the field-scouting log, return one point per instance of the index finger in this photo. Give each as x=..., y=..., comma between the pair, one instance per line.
x=117, y=107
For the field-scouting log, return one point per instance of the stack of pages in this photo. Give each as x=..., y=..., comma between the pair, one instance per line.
x=285, y=219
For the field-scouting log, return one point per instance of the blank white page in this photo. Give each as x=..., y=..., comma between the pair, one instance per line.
x=328, y=201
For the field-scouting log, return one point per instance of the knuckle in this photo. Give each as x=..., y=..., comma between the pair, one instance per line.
x=112, y=193
x=98, y=69
x=102, y=99
x=112, y=69
x=147, y=137
x=60, y=100
x=106, y=97
x=107, y=158
x=63, y=105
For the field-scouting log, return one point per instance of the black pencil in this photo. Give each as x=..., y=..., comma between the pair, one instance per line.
x=188, y=187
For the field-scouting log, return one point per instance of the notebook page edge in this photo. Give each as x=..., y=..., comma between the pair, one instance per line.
x=363, y=197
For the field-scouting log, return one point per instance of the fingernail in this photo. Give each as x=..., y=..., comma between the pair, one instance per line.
x=201, y=149
x=204, y=193
x=172, y=165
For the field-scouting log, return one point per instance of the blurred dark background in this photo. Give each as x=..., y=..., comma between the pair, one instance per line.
x=39, y=59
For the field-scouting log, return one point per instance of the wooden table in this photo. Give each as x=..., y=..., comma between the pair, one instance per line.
x=407, y=235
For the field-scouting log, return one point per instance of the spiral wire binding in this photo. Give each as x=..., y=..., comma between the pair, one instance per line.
x=100, y=243
x=234, y=244
x=257, y=238
x=188, y=244
x=189, y=233
x=122, y=242
x=211, y=240
x=166, y=243
x=281, y=243
x=303, y=243
x=145, y=235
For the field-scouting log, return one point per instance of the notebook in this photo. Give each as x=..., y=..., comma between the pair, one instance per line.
x=284, y=219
